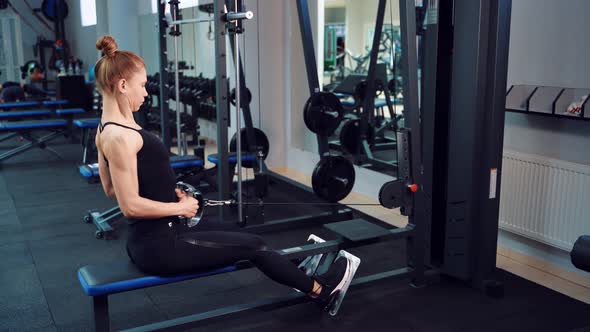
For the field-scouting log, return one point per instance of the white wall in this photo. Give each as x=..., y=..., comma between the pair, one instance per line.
x=82, y=39
x=548, y=47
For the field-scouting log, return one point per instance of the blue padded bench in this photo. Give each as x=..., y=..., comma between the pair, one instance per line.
x=25, y=114
x=32, y=124
x=90, y=123
x=102, y=281
x=19, y=104
x=69, y=111
x=232, y=158
x=25, y=129
x=32, y=103
x=55, y=102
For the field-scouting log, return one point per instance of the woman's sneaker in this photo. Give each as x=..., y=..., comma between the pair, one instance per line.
x=336, y=280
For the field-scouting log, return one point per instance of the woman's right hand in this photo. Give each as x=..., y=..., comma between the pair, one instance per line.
x=188, y=204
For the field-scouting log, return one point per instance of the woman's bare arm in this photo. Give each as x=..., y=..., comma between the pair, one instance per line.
x=103, y=171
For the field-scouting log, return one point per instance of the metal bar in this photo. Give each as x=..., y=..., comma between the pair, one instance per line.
x=232, y=16
x=412, y=112
x=175, y=32
x=101, y=313
x=177, y=95
x=8, y=136
x=247, y=117
x=221, y=103
x=238, y=119
x=27, y=146
x=499, y=14
x=191, y=20
x=163, y=96
x=297, y=222
x=369, y=102
x=310, y=62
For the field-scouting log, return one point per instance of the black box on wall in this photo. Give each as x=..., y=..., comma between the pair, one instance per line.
x=73, y=88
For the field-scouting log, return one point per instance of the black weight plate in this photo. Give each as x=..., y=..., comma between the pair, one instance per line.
x=323, y=113
x=246, y=96
x=262, y=143
x=333, y=178
x=350, y=135
x=49, y=9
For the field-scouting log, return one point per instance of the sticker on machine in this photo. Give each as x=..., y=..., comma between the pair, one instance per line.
x=493, y=180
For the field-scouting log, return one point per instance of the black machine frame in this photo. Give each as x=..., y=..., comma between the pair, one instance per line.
x=458, y=104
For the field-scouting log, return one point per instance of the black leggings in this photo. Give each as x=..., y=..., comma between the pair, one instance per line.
x=206, y=250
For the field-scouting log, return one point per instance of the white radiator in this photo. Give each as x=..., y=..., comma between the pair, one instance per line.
x=545, y=199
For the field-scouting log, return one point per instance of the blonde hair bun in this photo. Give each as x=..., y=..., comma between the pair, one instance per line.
x=107, y=45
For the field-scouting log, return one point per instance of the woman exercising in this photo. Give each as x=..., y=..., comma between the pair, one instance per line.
x=135, y=170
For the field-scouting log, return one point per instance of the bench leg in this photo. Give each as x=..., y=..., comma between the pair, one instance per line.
x=101, y=313
x=33, y=143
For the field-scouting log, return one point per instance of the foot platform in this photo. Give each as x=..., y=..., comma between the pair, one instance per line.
x=310, y=264
x=353, y=264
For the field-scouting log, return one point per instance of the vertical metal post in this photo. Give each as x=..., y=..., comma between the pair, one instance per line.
x=412, y=116
x=163, y=99
x=484, y=263
x=175, y=32
x=221, y=103
x=369, y=102
x=177, y=95
x=238, y=117
x=247, y=116
x=310, y=62
x=101, y=313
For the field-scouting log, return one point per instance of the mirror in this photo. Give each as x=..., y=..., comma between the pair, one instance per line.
x=344, y=37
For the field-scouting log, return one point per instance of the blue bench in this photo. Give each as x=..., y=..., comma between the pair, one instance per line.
x=19, y=104
x=37, y=113
x=33, y=103
x=25, y=114
x=232, y=158
x=26, y=129
x=69, y=111
x=88, y=123
x=55, y=102
x=102, y=281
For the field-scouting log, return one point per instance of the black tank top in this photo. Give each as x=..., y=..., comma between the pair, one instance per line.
x=156, y=177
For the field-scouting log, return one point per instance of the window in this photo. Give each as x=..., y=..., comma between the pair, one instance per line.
x=181, y=5
x=88, y=12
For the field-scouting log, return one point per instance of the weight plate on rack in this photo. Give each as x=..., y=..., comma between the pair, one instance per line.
x=323, y=113
x=333, y=178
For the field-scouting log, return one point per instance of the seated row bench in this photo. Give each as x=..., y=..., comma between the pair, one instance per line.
x=100, y=281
